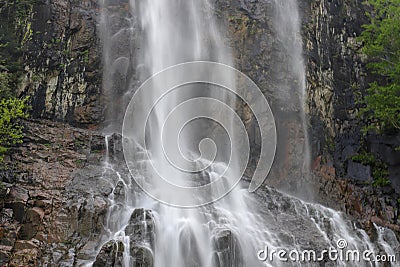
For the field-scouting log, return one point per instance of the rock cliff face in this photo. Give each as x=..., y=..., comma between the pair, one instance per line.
x=53, y=199
x=337, y=79
x=62, y=62
x=262, y=52
x=54, y=202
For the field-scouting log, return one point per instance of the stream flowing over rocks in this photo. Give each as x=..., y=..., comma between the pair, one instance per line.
x=69, y=199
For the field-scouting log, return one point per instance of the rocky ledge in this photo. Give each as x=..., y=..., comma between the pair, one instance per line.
x=365, y=203
x=41, y=209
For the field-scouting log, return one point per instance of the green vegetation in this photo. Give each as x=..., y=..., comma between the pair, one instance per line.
x=380, y=176
x=364, y=158
x=11, y=111
x=14, y=31
x=380, y=172
x=381, y=44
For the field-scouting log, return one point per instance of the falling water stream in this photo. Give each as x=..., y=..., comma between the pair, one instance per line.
x=230, y=231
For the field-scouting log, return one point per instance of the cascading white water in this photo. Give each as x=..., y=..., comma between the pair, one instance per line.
x=287, y=25
x=228, y=232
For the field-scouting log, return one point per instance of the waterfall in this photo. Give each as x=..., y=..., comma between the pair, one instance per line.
x=157, y=34
x=288, y=28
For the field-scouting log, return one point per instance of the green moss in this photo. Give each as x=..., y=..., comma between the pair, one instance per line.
x=35, y=78
x=364, y=158
x=380, y=171
x=86, y=56
x=78, y=143
x=329, y=145
x=28, y=34
x=380, y=177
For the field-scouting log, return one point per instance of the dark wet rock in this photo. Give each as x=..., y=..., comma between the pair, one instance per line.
x=337, y=79
x=142, y=256
x=116, y=149
x=227, y=249
x=32, y=223
x=5, y=253
x=358, y=171
x=56, y=211
x=141, y=232
x=110, y=255
x=17, y=200
x=141, y=228
x=90, y=178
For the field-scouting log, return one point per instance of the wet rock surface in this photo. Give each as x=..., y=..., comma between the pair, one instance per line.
x=110, y=255
x=363, y=202
x=141, y=232
x=336, y=79
x=228, y=251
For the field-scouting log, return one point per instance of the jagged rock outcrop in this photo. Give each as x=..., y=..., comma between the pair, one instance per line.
x=141, y=232
x=366, y=204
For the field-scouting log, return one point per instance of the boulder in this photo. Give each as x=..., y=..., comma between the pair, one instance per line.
x=227, y=249
x=358, y=171
x=110, y=255
x=17, y=200
x=141, y=228
x=141, y=232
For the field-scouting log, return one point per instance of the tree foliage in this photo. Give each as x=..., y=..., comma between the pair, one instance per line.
x=11, y=110
x=381, y=43
x=14, y=18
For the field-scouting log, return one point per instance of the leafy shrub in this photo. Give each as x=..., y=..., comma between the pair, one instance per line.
x=381, y=43
x=12, y=110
